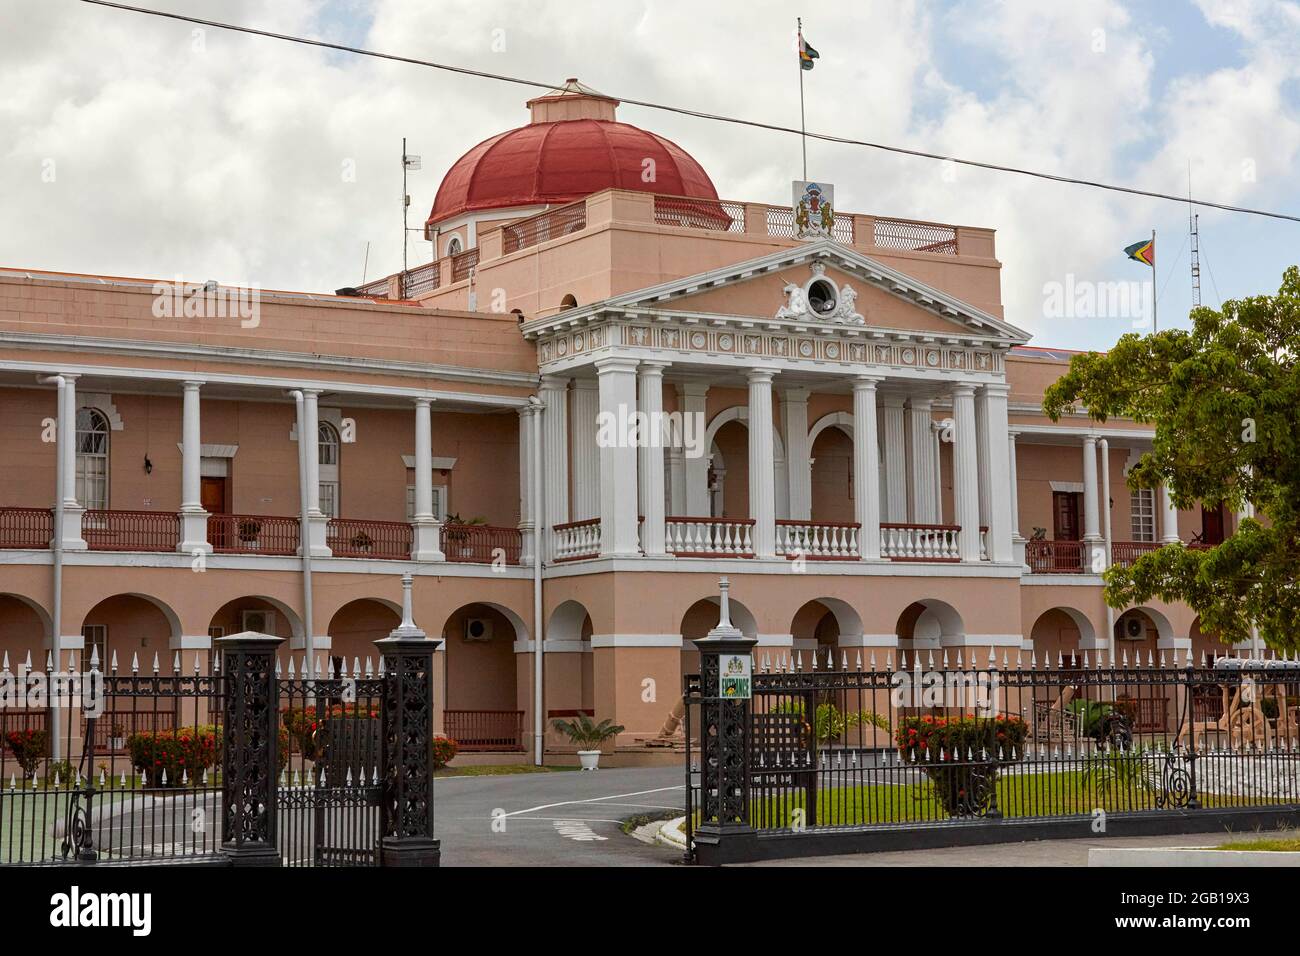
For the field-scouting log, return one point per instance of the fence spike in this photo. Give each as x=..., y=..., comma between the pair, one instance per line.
x=4, y=668
x=1151, y=662
x=329, y=668
x=799, y=662
x=930, y=660
x=1085, y=660
x=1004, y=659
x=198, y=664
x=1060, y=661
x=185, y=778
x=1124, y=656
x=814, y=660
x=322, y=776
x=216, y=664
x=73, y=666
x=945, y=659
x=1162, y=658
x=283, y=779
x=292, y=672
x=374, y=777
x=135, y=662
x=176, y=663
x=121, y=780
x=844, y=661
x=156, y=667
x=94, y=658
x=205, y=776
x=993, y=661
x=49, y=662
x=163, y=779
x=356, y=667
x=1033, y=660
x=889, y=661
x=11, y=780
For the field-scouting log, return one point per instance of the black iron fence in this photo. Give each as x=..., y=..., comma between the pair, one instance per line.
x=852, y=750
x=254, y=757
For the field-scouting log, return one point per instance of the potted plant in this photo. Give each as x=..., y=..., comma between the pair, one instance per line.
x=117, y=738
x=587, y=735
x=456, y=529
x=361, y=542
x=248, y=530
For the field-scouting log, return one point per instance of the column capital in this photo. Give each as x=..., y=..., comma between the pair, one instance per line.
x=919, y=402
x=587, y=384
x=693, y=389
x=1089, y=441
x=996, y=388
x=892, y=399
x=1012, y=433
x=866, y=383
x=615, y=363
x=192, y=385
x=557, y=383
x=758, y=376
x=963, y=389
x=652, y=369
x=422, y=401
x=795, y=394
x=69, y=377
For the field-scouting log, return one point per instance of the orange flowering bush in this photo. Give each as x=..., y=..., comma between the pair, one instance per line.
x=961, y=754
x=28, y=747
x=302, y=724
x=444, y=748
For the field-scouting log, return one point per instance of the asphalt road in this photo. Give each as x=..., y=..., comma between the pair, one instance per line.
x=566, y=818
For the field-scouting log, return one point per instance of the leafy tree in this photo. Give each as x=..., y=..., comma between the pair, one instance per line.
x=1225, y=401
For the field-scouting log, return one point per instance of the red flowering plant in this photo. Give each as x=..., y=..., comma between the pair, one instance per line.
x=28, y=747
x=173, y=758
x=444, y=749
x=303, y=724
x=961, y=754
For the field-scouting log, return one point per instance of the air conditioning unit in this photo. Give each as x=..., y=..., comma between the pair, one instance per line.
x=1133, y=629
x=262, y=621
x=478, y=629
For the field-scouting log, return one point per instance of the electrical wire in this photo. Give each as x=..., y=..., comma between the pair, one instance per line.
x=700, y=114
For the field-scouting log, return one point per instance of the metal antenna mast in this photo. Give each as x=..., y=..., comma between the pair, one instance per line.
x=1193, y=224
x=409, y=164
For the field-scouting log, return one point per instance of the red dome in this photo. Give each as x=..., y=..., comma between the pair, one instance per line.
x=559, y=162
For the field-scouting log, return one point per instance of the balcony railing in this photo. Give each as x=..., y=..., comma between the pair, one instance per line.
x=780, y=223
x=485, y=729
x=575, y=540
x=717, y=215
x=420, y=280
x=1124, y=553
x=1054, y=557
x=26, y=527
x=481, y=543
x=915, y=236
x=709, y=537
x=351, y=538
x=920, y=542
x=253, y=534
x=130, y=530
x=817, y=540
x=545, y=225
x=462, y=263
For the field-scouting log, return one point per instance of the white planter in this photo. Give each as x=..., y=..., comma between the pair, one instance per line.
x=590, y=759
x=116, y=743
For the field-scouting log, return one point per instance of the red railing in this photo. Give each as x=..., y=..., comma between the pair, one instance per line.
x=131, y=530
x=1054, y=557
x=545, y=225
x=26, y=527
x=351, y=538
x=420, y=280
x=717, y=215
x=481, y=543
x=915, y=236
x=253, y=534
x=461, y=263
x=114, y=727
x=1124, y=553
x=1150, y=714
x=485, y=729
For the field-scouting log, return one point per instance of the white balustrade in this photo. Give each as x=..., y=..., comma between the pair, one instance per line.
x=577, y=539
x=920, y=542
x=708, y=537
x=817, y=539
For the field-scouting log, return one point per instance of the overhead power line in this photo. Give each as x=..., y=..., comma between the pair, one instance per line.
x=699, y=114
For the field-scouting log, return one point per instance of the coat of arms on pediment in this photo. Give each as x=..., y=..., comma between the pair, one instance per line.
x=819, y=299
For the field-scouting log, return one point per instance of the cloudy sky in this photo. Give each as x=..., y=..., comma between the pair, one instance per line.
x=131, y=145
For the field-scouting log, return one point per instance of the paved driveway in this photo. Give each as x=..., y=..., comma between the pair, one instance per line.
x=566, y=818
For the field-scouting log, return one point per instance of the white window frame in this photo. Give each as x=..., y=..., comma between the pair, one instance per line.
x=1142, y=514
x=439, y=502
x=94, y=635
x=329, y=451
x=92, y=489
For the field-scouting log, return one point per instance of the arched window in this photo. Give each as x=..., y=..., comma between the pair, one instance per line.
x=327, y=444
x=92, y=458
x=454, y=246
x=568, y=302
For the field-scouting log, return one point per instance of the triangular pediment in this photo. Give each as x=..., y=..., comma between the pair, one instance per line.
x=882, y=298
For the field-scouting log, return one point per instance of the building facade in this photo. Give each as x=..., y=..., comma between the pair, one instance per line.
x=607, y=389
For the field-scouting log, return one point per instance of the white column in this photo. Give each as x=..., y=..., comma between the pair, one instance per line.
x=527, y=521
x=936, y=438
x=426, y=544
x=965, y=471
x=762, y=466
x=1000, y=521
x=618, y=460
x=194, y=520
x=67, y=450
x=677, y=480
x=1017, y=542
x=921, y=451
x=691, y=399
x=586, y=455
x=316, y=525
x=866, y=467
x=650, y=483
x=1091, y=513
x=1168, y=517
x=554, y=393
x=794, y=417
x=895, y=457
x=982, y=462
x=1103, y=449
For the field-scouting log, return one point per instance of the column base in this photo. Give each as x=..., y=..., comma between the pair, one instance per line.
x=1094, y=555
x=72, y=539
x=426, y=540
x=731, y=843
x=410, y=851
x=528, y=544
x=315, y=536
x=194, y=533
x=259, y=854
x=1018, y=552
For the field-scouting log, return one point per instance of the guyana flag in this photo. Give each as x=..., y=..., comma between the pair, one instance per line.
x=806, y=54
x=1144, y=251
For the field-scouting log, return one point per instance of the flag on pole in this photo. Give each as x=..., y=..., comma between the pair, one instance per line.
x=1144, y=251
x=806, y=53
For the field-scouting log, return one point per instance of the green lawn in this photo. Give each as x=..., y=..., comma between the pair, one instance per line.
x=1063, y=793
x=1280, y=846
x=486, y=771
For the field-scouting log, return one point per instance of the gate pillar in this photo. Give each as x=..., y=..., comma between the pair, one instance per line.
x=724, y=834
x=406, y=752
x=249, y=751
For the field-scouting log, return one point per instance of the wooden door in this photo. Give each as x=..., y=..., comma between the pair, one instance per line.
x=212, y=495
x=1065, y=515
x=1212, y=525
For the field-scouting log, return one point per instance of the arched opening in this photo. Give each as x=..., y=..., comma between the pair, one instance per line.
x=568, y=674
x=262, y=615
x=832, y=476
x=328, y=450
x=1058, y=637
x=1206, y=645
x=929, y=625
x=824, y=625
x=25, y=628
x=356, y=626
x=454, y=246
x=702, y=617
x=483, y=710
x=1138, y=632
x=729, y=472
x=92, y=458
x=569, y=301
x=130, y=628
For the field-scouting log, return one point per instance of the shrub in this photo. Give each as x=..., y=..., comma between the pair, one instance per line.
x=961, y=755
x=585, y=733
x=180, y=752
x=302, y=724
x=832, y=723
x=28, y=747
x=62, y=772
x=444, y=749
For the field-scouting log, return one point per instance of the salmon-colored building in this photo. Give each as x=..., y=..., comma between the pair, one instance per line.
x=851, y=431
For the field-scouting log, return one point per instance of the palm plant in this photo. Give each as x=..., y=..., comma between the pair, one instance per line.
x=585, y=733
